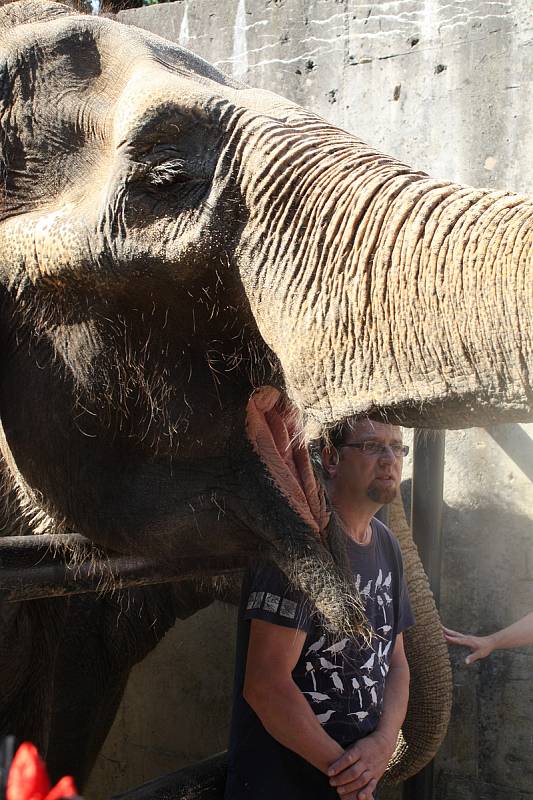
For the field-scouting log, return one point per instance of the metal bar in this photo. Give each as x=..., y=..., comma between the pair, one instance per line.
x=426, y=502
x=35, y=567
x=426, y=527
x=26, y=550
x=205, y=780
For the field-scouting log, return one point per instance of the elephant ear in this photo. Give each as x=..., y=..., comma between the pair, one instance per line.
x=430, y=696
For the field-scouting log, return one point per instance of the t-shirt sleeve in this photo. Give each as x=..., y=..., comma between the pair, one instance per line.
x=272, y=598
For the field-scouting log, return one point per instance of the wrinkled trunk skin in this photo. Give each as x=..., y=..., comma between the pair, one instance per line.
x=380, y=288
x=430, y=691
x=134, y=324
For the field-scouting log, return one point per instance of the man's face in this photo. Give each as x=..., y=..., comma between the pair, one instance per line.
x=363, y=473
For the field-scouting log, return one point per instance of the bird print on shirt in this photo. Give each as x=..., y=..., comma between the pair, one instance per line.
x=323, y=718
x=366, y=591
x=361, y=715
x=325, y=664
x=381, y=603
x=370, y=663
x=357, y=686
x=337, y=682
x=318, y=697
x=310, y=670
x=329, y=664
x=337, y=647
x=316, y=646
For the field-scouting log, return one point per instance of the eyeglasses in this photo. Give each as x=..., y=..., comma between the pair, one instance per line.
x=378, y=449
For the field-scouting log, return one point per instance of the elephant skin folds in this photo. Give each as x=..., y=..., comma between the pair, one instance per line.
x=171, y=240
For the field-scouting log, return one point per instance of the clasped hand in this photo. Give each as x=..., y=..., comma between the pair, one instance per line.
x=356, y=773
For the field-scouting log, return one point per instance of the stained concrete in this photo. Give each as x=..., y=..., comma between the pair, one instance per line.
x=445, y=86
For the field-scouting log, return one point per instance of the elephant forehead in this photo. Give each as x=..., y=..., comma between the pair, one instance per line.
x=75, y=60
x=79, y=46
x=154, y=93
x=74, y=80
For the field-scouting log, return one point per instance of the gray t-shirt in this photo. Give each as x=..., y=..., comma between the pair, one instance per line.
x=342, y=679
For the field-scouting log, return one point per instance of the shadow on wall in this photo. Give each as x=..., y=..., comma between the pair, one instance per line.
x=517, y=444
x=487, y=752
x=487, y=583
x=176, y=707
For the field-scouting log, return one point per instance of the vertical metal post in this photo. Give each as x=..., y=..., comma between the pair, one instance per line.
x=426, y=502
x=426, y=527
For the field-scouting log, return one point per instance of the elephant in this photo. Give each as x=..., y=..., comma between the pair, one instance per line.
x=46, y=644
x=174, y=244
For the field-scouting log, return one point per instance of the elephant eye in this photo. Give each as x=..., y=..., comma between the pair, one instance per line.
x=168, y=173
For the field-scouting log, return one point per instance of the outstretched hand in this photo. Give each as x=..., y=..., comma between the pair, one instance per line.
x=356, y=773
x=481, y=646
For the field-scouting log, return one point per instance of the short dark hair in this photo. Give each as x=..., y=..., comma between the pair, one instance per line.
x=336, y=436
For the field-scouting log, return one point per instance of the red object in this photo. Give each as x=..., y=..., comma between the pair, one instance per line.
x=28, y=778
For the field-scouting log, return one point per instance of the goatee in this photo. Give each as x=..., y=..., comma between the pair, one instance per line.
x=382, y=494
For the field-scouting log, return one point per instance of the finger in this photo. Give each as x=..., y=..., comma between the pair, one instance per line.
x=462, y=641
x=367, y=793
x=450, y=632
x=361, y=782
x=474, y=657
x=457, y=638
x=348, y=758
x=349, y=775
x=454, y=637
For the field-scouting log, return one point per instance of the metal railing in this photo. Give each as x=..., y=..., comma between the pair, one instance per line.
x=426, y=528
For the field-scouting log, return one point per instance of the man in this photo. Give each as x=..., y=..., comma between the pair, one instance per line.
x=317, y=717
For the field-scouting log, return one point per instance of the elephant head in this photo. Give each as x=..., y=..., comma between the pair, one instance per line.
x=170, y=240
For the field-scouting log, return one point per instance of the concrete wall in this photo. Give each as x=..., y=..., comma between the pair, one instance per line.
x=445, y=86
x=176, y=706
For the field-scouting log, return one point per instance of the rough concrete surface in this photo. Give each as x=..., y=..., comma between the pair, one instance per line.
x=445, y=86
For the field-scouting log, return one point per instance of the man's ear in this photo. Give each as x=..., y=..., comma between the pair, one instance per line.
x=330, y=459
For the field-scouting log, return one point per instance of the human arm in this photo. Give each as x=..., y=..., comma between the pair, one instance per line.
x=515, y=635
x=270, y=690
x=359, y=769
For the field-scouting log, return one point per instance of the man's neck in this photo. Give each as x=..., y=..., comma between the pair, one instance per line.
x=356, y=520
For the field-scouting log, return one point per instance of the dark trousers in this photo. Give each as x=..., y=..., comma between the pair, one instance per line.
x=275, y=774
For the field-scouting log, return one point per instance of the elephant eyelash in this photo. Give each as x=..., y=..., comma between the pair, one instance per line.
x=168, y=173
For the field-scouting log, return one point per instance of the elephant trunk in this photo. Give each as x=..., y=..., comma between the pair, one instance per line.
x=382, y=288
